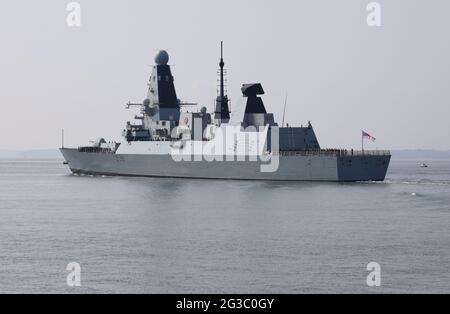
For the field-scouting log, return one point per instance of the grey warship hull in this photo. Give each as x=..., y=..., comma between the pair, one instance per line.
x=293, y=166
x=211, y=147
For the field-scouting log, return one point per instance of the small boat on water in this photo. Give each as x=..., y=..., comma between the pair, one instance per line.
x=423, y=165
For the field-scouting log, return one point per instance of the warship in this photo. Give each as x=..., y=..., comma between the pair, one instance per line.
x=171, y=138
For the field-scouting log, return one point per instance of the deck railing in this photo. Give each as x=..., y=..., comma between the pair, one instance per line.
x=91, y=149
x=335, y=152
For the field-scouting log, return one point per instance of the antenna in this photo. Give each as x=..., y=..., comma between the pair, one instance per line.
x=222, y=110
x=284, y=110
x=62, y=138
x=221, y=64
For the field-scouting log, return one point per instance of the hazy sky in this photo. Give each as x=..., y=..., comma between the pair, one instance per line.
x=392, y=81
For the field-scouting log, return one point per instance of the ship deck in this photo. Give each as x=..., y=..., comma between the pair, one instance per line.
x=335, y=152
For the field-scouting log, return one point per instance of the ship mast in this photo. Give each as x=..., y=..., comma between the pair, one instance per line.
x=222, y=112
x=221, y=64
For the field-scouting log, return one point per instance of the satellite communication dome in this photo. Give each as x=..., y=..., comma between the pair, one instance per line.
x=162, y=57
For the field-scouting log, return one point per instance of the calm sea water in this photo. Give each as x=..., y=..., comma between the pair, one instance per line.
x=205, y=236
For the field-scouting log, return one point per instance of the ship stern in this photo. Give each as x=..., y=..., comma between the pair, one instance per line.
x=365, y=166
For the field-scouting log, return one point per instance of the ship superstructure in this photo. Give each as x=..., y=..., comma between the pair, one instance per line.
x=166, y=141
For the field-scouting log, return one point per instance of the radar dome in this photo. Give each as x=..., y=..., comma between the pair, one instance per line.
x=162, y=57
